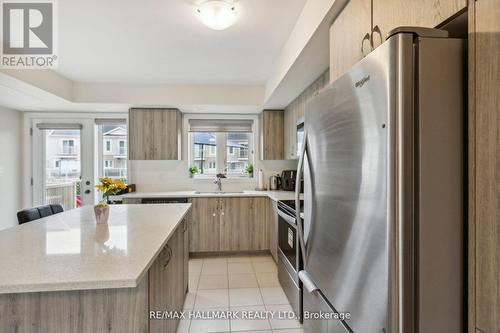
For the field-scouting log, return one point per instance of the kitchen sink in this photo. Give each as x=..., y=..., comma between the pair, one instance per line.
x=219, y=192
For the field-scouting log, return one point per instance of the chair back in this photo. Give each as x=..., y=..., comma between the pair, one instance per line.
x=28, y=215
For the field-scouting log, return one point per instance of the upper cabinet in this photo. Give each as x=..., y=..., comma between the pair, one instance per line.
x=390, y=14
x=295, y=113
x=271, y=128
x=349, y=37
x=155, y=134
x=364, y=24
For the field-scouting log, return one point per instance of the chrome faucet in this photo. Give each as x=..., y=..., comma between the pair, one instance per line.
x=218, y=181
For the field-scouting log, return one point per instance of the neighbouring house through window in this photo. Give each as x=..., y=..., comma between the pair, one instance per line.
x=221, y=146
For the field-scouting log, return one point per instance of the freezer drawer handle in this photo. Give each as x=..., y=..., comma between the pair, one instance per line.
x=308, y=282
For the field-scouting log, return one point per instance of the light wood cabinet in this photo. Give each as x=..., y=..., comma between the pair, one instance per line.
x=390, y=14
x=272, y=136
x=204, y=226
x=365, y=24
x=272, y=223
x=166, y=282
x=348, y=37
x=290, y=134
x=155, y=134
x=229, y=224
x=295, y=112
x=484, y=166
x=186, y=253
x=243, y=224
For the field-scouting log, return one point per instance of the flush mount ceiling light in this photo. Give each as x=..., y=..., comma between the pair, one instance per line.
x=217, y=14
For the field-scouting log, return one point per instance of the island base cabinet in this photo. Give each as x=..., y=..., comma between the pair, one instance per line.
x=125, y=310
x=83, y=311
x=166, y=283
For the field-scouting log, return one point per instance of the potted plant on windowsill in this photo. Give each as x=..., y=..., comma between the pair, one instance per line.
x=108, y=187
x=193, y=170
x=249, y=170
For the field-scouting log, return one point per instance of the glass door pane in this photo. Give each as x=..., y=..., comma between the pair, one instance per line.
x=62, y=161
x=113, y=157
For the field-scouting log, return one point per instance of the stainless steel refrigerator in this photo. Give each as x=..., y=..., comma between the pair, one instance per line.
x=383, y=167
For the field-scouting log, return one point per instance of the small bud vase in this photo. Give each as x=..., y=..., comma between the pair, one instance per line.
x=101, y=211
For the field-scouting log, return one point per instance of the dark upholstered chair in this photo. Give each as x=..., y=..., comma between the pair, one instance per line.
x=56, y=209
x=36, y=213
x=45, y=211
x=28, y=215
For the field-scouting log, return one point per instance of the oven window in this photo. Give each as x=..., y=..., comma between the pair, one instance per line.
x=287, y=241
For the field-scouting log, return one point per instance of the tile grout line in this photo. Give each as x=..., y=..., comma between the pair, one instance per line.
x=261, y=296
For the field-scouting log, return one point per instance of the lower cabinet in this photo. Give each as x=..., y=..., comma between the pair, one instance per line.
x=229, y=224
x=272, y=221
x=167, y=281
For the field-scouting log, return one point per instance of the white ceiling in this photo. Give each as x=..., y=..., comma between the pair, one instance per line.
x=162, y=41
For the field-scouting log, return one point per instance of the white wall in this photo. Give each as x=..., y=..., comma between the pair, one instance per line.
x=165, y=176
x=11, y=145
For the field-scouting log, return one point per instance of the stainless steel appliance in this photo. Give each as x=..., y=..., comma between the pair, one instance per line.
x=300, y=134
x=274, y=182
x=289, y=258
x=383, y=164
x=288, y=180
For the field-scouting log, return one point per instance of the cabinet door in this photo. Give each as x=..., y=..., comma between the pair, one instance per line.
x=346, y=36
x=272, y=220
x=162, y=288
x=290, y=140
x=272, y=127
x=486, y=139
x=390, y=14
x=243, y=224
x=186, y=254
x=204, y=229
x=154, y=134
x=178, y=267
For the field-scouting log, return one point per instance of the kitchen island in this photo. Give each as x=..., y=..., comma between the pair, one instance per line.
x=64, y=273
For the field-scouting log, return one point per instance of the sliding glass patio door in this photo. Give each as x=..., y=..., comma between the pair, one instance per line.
x=63, y=162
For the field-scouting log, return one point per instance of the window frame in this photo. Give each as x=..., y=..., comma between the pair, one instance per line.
x=221, y=147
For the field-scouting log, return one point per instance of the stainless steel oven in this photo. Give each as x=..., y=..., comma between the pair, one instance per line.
x=289, y=259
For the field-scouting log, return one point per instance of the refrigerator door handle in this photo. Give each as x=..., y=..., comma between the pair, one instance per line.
x=300, y=169
x=307, y=282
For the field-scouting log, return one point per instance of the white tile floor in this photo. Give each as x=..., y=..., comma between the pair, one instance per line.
x=237, y=284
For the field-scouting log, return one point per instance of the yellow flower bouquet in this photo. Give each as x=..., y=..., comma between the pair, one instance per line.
x=108, y=187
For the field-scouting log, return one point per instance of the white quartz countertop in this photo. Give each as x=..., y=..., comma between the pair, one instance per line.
x=274, y=195
x=68, y=251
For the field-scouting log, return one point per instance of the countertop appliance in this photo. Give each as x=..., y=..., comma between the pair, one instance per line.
x=288, y=180
x=383, y=165
x=289, y=257
x=274, y=182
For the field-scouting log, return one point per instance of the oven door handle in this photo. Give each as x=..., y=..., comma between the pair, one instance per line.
x=288, y=219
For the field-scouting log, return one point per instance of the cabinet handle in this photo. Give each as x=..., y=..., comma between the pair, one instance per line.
x=169, y=253
x=377, y=30
x=365, y=38
x=214, y=214
x=222, y=213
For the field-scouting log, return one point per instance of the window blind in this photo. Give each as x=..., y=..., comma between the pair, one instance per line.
x=49, y=126
x=220, y=125
x=110, y=121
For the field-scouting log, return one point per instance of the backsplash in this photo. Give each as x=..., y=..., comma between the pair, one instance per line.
x=158, y=176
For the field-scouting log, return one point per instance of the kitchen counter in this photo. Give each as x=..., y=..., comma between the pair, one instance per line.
x=273, y=195
x=68, y=251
